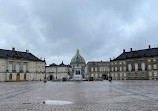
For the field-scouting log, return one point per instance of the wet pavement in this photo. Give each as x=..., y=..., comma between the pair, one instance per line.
x=118, y=95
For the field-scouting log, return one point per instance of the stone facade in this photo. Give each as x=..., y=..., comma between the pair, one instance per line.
x=20, y=66
x=97, y=70
x=58, y=72
x=135, y=65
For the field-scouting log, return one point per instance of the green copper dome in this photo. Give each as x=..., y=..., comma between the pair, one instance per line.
x=77, y=58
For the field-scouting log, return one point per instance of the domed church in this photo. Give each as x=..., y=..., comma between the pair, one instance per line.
x=78, y=66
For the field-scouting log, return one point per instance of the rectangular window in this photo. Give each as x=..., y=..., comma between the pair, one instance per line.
x=96, y=69
x=124, y=68
x=120, y=68
x=136, y=66
x=120, y=75
x=142, y=74
x=115, y=68
x=150, y=74
x=91, y=69
x=149, y=67
x=115, y=74
x=124, y=74
x=112, y=69
x=143, y=66
x=129, y=67
x=100, y=69
x=96, y=75
x=155, y=73
x=155, y=66
x=92, y=75
x=17, y=67
x=10, y=67
x=24, y=68
x=3, y=68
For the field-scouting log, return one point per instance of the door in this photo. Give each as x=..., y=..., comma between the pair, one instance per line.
x=18, y=77
x=10, y=77
x=24, y=77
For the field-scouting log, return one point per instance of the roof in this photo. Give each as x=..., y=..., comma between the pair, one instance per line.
x=93, y=63
x=17, y=55
x=152, y=52
x=60, y=65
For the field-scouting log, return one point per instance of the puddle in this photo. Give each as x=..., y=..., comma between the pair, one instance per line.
x=57, y=102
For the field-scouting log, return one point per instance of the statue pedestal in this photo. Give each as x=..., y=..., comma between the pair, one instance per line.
x=77, y=73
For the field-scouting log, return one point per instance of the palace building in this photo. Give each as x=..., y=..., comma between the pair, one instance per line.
x=98, y=70
x=58, y=72
x=135, y=65
x=20, y=66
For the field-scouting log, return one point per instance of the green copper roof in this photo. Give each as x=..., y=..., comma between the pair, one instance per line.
x=77, y=58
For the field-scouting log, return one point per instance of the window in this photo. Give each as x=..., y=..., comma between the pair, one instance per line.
x=112, y=75
x=155, y=66
x=124, y=62
x=154, y=60
x=142, y=74
x=143, y=66
x=120, y=63
x=115, y=74
x=3, y=68
x=155, y=73
x=124, y=68
x=100, y=75
x=135, y=75
x=111, y=63
x=92, y=75
x=120, y=75
x=115, y=63
x=91, y=69
x=129, y=67
x=96, y=69
x=124, y=74
x=129, y=75
x=17, y=67
x=24, y=68
x=100, y=69
x=96, y=75
x=38, y=69
x=149, y=67
x=150, y=73
x=149, y=60
x=112, y=69
x=120, y=68
x=136, y=66
x=10, y=67
x=115, y=68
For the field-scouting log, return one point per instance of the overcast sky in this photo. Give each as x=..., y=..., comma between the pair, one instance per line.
x=101, y=29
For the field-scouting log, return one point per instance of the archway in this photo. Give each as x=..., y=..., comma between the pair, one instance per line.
x=10, y=77
x=18, y=77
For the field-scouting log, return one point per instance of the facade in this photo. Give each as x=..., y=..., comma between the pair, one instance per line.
x=58, y=72
x=135, y=65
x=97, y=70
x=20, y=66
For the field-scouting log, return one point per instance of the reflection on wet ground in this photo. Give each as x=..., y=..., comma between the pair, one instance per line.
x=87, y=96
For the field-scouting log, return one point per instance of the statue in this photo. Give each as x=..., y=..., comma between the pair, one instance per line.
x=77, y=60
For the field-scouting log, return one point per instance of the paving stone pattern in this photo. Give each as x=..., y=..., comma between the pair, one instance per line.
x=137, y=95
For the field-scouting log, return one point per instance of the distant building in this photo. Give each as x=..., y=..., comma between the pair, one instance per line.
x=20, y=66
x=97, y=70
x=58, y=72
x=135, y=65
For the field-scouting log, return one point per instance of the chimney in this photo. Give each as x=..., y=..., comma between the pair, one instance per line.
x=149, y=47
x=27, y=51
x=13, y=48
x=131, y=49
x=123, y=50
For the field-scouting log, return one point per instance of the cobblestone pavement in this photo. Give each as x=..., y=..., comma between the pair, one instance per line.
x=86, y=96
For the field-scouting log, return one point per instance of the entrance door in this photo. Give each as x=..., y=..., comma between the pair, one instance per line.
x=18, y=77
x=10, y=77
x=50, y=77
x=24, y=77
x=104, y=77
